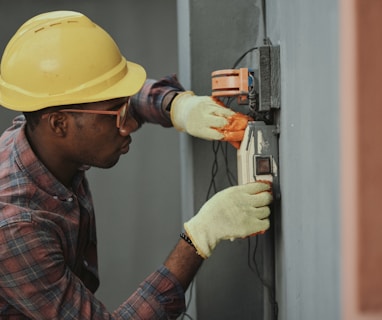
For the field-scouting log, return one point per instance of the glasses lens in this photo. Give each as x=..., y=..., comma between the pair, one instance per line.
x=126, y=118
x=122, y=116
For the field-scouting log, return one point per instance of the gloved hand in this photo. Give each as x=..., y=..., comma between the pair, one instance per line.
x=236, y=212
x=207, y=118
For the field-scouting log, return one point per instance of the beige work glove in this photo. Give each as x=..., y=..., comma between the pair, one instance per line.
x=206, y=118
x=235, y=212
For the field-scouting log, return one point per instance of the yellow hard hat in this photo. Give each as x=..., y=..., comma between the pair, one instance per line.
x=60, y=58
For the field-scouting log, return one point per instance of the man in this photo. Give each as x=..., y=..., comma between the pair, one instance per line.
x=81, y=100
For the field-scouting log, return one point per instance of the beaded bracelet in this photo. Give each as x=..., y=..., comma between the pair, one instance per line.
x=187, y=239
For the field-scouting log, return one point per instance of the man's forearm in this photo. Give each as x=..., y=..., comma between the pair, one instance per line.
x=183, y=262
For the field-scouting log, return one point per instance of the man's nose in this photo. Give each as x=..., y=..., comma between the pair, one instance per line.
x=129, y=127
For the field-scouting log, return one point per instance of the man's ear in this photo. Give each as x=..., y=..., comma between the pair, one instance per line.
x=58, y=123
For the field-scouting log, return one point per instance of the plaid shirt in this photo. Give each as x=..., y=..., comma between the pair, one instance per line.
x=147, y=103
x=48, y=255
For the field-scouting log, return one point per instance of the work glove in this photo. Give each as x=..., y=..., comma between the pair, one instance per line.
x=235, y=212
x=207, y=118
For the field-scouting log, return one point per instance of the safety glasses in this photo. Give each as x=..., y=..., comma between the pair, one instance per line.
x=122, y=114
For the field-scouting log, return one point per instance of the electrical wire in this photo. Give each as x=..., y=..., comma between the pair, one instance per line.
x=212, y=188
x=186, y=315
x=264, y=283
x=243, y=56
x=222, y=147
x=230, y=176
x=264, y=15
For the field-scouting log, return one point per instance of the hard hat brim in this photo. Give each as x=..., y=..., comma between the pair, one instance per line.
x=129, y=84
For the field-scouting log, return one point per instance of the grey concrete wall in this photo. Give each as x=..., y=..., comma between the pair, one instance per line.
x=308, y=244
x=307, y=227
x=138, y=201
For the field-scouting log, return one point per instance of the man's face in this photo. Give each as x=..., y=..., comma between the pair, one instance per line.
x=95, y=139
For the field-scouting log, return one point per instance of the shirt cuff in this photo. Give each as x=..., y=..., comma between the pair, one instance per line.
x=159, y=296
